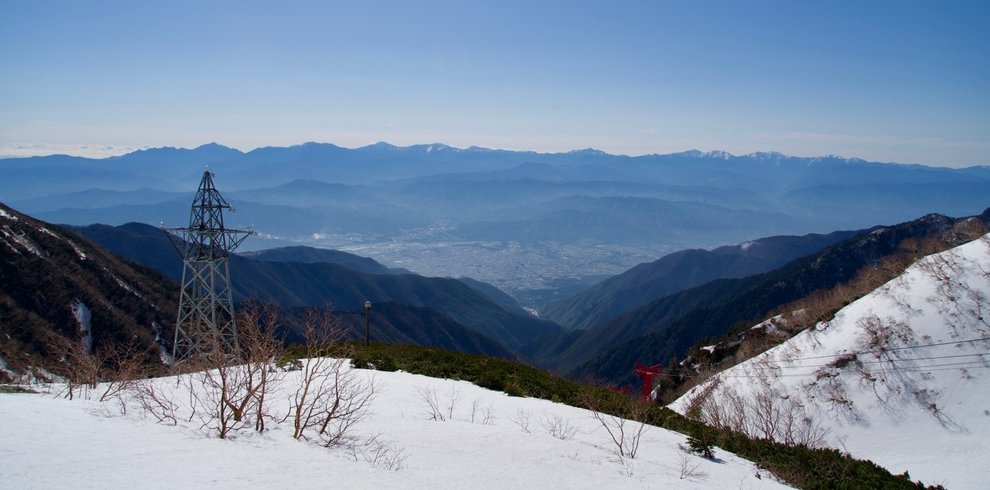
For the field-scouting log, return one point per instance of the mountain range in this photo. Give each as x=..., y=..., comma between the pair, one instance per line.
x=529, y=223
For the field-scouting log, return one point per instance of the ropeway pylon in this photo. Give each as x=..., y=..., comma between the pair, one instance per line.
x=205, y=322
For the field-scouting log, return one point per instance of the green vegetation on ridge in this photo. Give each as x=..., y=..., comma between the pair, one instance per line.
x=797, y=465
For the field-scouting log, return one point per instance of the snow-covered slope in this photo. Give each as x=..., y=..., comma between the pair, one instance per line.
x=50, y=442
x=899, y=376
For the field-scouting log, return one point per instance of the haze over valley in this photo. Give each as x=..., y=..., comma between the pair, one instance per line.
x=539, y=226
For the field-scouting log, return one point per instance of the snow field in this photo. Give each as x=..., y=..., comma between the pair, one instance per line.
x=51, y=442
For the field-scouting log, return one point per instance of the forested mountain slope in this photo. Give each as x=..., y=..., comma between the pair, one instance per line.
x=61, y=296
x=679, y=271
x=664, y=329
x=324, y=284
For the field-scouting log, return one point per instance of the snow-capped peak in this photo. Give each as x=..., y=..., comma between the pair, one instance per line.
x=714, y=154
x=767, y=156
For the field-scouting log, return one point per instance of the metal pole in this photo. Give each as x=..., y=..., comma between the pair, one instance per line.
x=367, y=323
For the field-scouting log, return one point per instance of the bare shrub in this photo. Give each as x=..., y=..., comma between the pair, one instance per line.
x=79, y=367
x=234, y=384
x=349, y=403
x=688, y=469
x=488, y=415
x=696, y=404
x=428, y=395
x=767, y=414
x=475, y=407
x=763, y=415
x=231, y=389
x=984, y=271
x=226, y=393
x=117, y=365
x=330, y=398
x=154, y=401
x=217, y=383
x=558, y=427
x=452, y=399
x=442, y=411
x=129, y=367
x=880, y=337
x=624, y=433
x=485, y=414
x=943, y=268
x=379, y=453
x=521, y=419
x=263, y=350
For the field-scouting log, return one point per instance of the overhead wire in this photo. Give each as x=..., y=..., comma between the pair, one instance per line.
x=947, y=367
x=905, y=363
x=787, y=364
x=907, y=347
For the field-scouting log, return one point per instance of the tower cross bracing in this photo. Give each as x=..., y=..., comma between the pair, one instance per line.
x=205, y=322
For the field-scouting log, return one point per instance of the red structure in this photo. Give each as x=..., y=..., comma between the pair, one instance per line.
x=647, y=373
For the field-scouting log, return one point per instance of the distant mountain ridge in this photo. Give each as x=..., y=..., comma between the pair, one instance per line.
x=310, y=255
x=381, y=161
x=534, y=219
x=681, y=270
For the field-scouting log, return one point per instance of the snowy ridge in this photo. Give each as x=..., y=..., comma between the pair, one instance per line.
x=20, y=239
x=124, y=285
x=75, y=247
x=715, y=154
x=768, y=156
x=490, y=441
x=900, y=376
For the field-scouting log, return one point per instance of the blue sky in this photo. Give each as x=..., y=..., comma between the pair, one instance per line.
x=888, y=81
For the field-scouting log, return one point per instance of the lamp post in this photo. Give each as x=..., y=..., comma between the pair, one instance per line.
x=367, y=323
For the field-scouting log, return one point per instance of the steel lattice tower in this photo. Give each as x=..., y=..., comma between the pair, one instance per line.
x=205, y=320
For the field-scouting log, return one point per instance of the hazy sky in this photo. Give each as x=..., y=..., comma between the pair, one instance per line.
x=889, y=81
